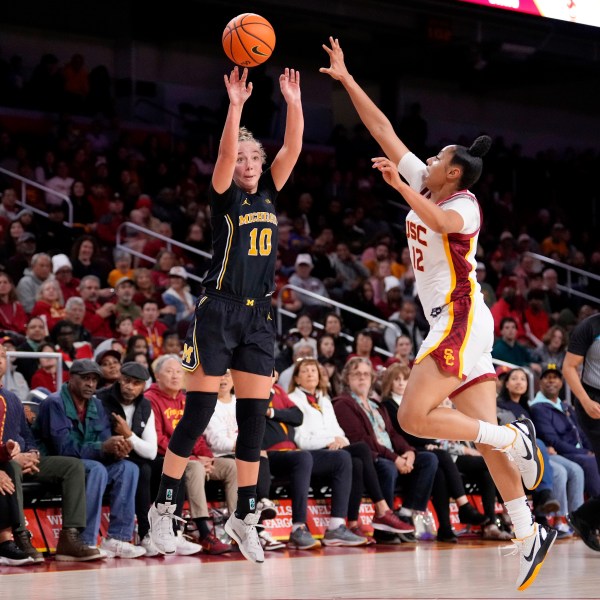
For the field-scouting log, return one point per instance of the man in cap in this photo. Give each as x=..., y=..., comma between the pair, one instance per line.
x=302, y=278
x=30, y=465
x=557, y=426
x=73, y=422
x=132, y=417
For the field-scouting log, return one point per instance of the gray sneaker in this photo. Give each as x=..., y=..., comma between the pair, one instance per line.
x=161, y=532
x=245, y=534
x=302, y=540
x=342, y=536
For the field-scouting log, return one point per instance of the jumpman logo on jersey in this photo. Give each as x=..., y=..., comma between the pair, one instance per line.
x=246, y=203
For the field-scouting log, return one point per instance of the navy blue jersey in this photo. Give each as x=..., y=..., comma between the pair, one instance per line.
x=244, y=229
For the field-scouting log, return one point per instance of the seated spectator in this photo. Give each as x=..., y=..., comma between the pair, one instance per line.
x=9, y=209
x=302, y=278
x=122, y=268
x=10, y=553
x=349, y=272
x=178, y=295
x=86, y=260
x=392, y=297
x=553, y=349
x=507, y=348
x=536, y=319
x=168, y=401
x=382, y=252
x=35, y=333
x=63, y=273
x=60, y=183
x=124, y=327
x=132, y=417
x=510, y=304
x=72, y=422
x=321, y=434
x=151, y=328
x=557, y=426
x=286, y=460
x=172, y=343
x=45, y=376
x=362, y=419
x=489, y=295
x=302, y=349
x=41, y=269
x=405, y=321
x=20, y=260
x=333, y=325
x=30, y=466
x=448, y=479
x=165, y=261
x=16, y=383
x=146, y=290
x=303, y=331
x=403, y=352
x=364, y=347
x=558, y=302
x=109, y=361
x=561, y=488
x=108, y=224
x=98, y=314
x=378, y=279
x=125, y=305
x=75, y=313
x=556, y=243
x=12, y=313
x=63, y=337
x=49, y=303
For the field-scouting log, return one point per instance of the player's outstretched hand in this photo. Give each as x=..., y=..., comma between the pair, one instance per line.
x=388, y=169
x=238, y=87
x=337, y=67
x=289, y=82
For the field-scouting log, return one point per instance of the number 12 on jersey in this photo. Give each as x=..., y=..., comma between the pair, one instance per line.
x=417, y=258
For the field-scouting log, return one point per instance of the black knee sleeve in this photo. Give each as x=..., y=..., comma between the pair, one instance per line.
x=199, y=408
x=251, y=419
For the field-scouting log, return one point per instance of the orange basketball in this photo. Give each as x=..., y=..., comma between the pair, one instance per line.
x=248, y=40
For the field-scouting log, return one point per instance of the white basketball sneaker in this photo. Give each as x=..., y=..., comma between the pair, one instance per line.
x=526, y=453
x=245, y=534
x=532, y=552
x=161, y=532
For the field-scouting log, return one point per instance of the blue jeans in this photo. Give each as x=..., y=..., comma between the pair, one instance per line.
x=569, y=482
x=123, y=477
x=547, y=482
x=416, y=486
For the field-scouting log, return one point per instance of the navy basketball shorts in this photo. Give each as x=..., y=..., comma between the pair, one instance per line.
x=230, y=332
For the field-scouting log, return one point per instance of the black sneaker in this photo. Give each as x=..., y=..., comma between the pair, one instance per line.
x=469, y=515
x=589, y=536
x=13, y=556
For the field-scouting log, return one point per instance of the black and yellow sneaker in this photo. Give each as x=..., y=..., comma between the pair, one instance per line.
x=532, y=552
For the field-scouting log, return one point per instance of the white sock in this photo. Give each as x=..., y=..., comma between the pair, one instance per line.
x=335, y=522
x=498, y=436
x=521, y=517
x=405, y=512
x=297, y=526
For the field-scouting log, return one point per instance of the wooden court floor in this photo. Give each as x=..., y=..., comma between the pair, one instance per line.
x=471, y=569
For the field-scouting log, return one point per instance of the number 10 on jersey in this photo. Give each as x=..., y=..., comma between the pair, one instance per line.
x=260, y=243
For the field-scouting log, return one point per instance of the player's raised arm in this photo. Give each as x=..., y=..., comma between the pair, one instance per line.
x=375, y=121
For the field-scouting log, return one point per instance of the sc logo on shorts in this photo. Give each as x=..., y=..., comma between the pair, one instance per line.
x=449, y=357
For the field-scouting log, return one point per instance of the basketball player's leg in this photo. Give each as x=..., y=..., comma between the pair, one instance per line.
x=201, y=399
x=252, y=400
x=532, y=541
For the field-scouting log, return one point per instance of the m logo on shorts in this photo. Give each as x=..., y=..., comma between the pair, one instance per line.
x=249, y=302
x=186, y=355
x=449, y=356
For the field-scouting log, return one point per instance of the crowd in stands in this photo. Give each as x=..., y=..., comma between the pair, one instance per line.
x=118, y=320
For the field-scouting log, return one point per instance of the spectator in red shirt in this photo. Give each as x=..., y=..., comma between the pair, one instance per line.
x=63, y=273
x=12, y=313
x=98, y=315
x=151, y=328
x=45, y=376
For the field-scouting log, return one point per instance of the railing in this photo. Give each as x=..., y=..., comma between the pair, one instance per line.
x=330, y=302
x=29, y=182
x=23, y=354
x=122, y=245
x=570, y=270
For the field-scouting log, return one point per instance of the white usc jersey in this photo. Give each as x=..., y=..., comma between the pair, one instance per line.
x=444, y=264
